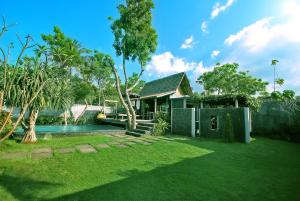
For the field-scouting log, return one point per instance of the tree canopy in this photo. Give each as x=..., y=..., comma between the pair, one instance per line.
x=226, y=79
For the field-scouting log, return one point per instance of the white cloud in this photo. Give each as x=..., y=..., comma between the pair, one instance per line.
x=254, y=46
x=264, y=33
x=218, y=8
x=214, y=53
x=188, y=43
x=167, y=64
x=204, y=27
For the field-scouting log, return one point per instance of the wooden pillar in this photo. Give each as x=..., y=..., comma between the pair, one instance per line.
x=236, y=103
x=155, y=105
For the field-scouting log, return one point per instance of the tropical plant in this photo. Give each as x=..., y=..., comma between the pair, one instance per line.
x=273, y=64
x=134, y=40
x=160, y=127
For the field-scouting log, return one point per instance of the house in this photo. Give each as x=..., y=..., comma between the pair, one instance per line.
x=163, y=94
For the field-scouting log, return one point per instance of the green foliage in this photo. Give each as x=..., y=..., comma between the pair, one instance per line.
x=65, y=50
x=280, y=81
x=83, y=91
x=288, y=94
x=285, y=95
x=162, y=115
x=9, y=124
x=228, y=129
x=135, y=38
x=225, y=79
x=160, y=127
x=131, y=81
x=49, y=120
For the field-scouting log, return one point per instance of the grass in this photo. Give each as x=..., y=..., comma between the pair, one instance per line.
x=186, y=169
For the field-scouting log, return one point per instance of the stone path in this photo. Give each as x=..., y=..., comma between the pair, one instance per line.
x=66, y=150
x=118, y=141
x=85, y=148
x=102, y=146
x=14, y=155
x=41, y=153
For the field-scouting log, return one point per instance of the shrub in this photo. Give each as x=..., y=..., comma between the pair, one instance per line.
x=160, y=127
x=228, y=129
x=49, y=120
x=9, y=124
x=162, y=115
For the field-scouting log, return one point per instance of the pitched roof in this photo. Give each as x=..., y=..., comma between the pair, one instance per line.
x=164, y=86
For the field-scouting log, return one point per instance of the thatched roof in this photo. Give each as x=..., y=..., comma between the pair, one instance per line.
x=166, y=86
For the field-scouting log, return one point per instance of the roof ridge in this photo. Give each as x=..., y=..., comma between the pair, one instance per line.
x=166, y=77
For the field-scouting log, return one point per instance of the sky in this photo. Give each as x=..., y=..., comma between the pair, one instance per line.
x=193, y=35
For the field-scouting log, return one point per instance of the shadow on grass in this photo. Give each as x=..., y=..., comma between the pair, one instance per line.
x=230, y=172
x=23, y=188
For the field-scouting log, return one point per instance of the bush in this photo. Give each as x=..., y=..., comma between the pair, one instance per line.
x=49, y=120
x=162, y=115
x=9, y=125
x=160, y=127
x=228, y=129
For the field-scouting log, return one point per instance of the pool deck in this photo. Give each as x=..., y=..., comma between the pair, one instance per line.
x=121, y=122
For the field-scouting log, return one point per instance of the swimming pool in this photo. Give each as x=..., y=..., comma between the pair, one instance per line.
x=72, y=129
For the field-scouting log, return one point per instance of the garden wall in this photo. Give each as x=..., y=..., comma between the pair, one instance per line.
x=274, y=120
x=183, y=121
x=212, y=122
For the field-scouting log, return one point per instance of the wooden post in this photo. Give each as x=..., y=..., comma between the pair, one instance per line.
x=201, y=105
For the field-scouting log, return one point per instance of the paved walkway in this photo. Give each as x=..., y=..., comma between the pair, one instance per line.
x=118, y=141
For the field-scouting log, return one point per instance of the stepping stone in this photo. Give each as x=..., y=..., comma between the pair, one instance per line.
x=66, y=150
x=102, y=146
x=146, y=143
x=130, y=143
x=41, y=155
x=147, y=140
x=114, y=143
x=86, y=148
x=121, y=145
x=14, y=155
x=42, y=150
x=138, y=141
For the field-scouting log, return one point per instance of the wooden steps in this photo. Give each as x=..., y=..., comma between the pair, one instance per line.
x=142, y=128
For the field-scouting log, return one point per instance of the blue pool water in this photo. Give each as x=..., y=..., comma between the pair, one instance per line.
x=72, y=129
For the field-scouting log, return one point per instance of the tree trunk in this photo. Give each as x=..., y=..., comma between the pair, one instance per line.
x=82, y=113
x=1, y=100
x=132, y=112
x=65, y=118
x=7, y=119
x=30, y=135
x=118, y=87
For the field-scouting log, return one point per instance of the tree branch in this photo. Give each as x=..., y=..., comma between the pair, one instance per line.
x=137, y=82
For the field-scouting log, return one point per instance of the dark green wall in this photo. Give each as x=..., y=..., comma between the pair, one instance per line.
x=273, y=119
x=177, y=103
x=182, y=121
x=237, y=118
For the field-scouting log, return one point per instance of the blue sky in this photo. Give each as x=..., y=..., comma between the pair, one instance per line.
x=192, y=35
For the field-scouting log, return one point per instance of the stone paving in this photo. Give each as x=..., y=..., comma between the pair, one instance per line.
x=66, y=150
x=41, y=153
x=85, y=148
x=118, y=141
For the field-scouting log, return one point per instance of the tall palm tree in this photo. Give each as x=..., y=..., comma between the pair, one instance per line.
x=274, y=63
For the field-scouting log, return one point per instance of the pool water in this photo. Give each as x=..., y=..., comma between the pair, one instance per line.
x=72, y=128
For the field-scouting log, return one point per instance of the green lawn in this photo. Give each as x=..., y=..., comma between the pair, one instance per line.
x=185, y=169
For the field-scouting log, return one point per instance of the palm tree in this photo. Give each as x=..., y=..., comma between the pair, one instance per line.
x=274, y=63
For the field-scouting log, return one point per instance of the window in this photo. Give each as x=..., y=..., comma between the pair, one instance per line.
x=213, y=122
